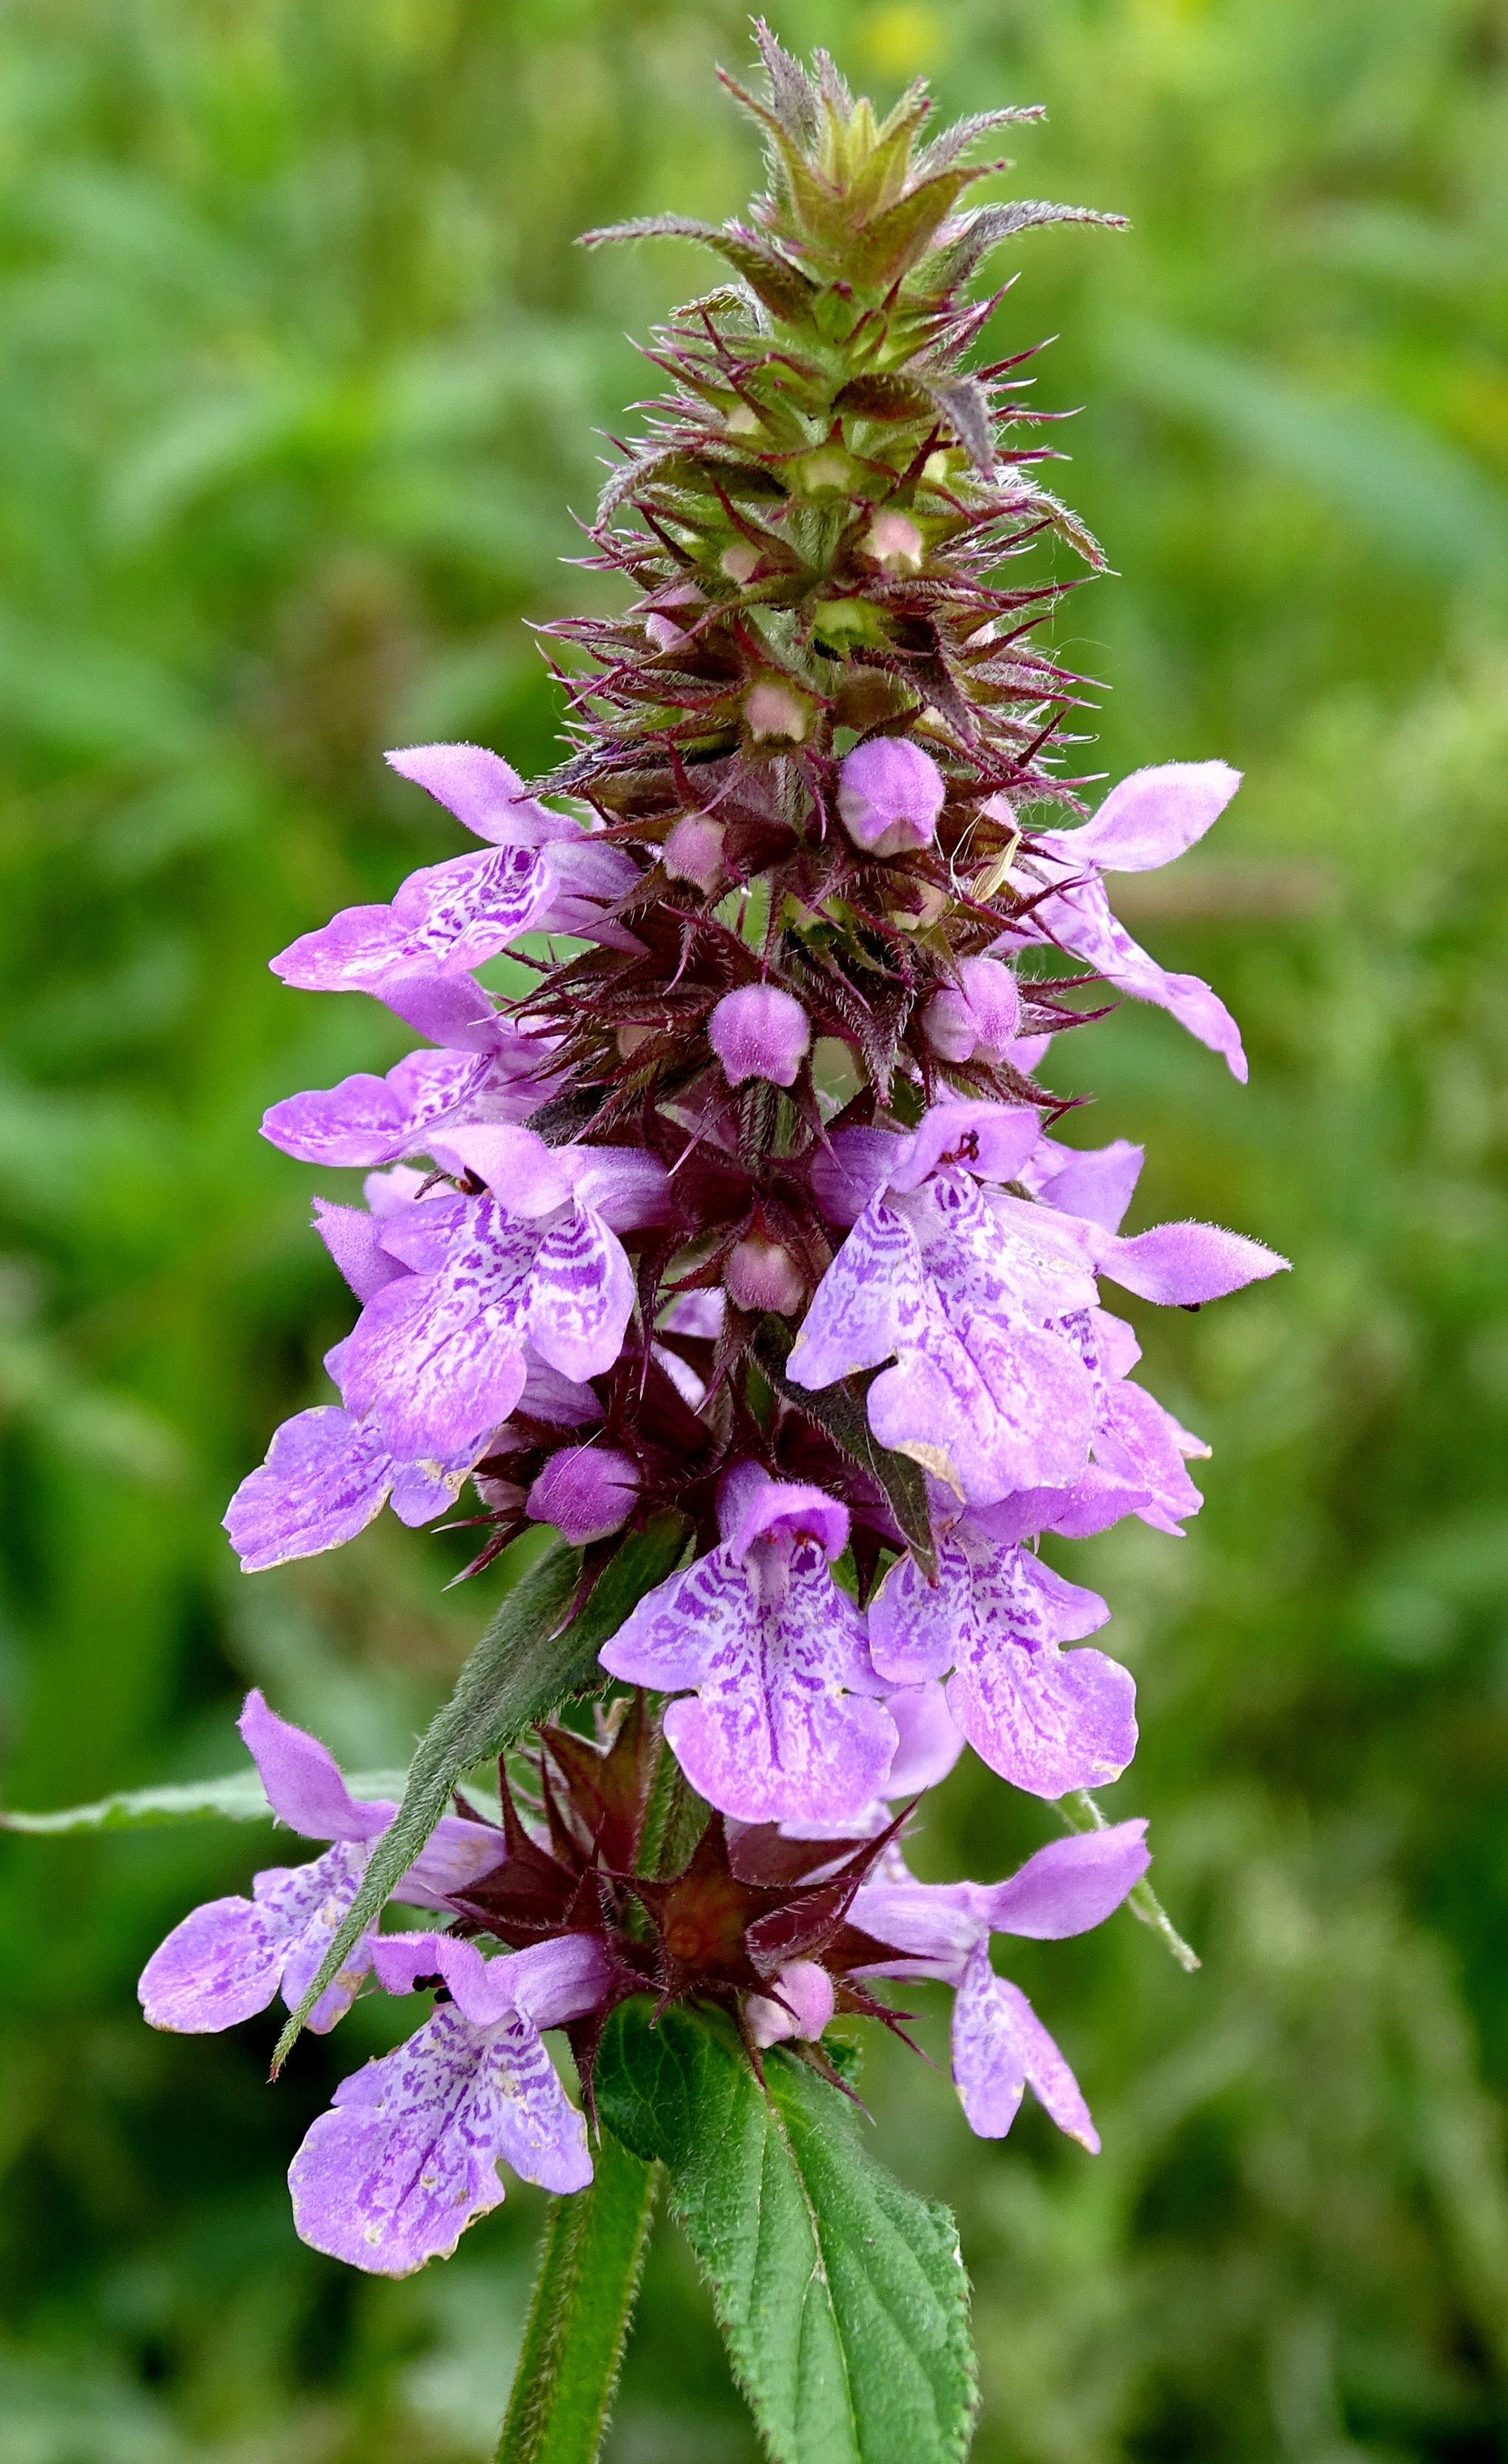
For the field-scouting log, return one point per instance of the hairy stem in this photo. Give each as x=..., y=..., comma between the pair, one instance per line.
x=590, y=2264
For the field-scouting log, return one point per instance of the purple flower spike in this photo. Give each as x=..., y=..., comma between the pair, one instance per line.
x=1045, y=1720
x=889, y=795
x=760, y=1032
x=976, y=1018
x=586, y=1492
x=779, y=1727
x=408, y=2156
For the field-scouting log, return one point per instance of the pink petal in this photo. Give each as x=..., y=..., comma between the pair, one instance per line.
x=1071, y=1885
x=1149, y=818
x=999, y=2044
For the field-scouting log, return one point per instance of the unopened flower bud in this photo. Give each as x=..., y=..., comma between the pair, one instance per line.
x=774, y=710
x=740, y=562
x=976, y=1018
x=807, y=2004
x=629, y=1037
x=760, y=1032
x=894, y=541
x=762, y=1274
x=889, y=795
x=586, y=1492
x=662, y=632
x=693, y=851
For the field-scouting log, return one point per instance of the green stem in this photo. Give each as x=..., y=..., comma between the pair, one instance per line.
x=1080, y=1813
x=583, y=2298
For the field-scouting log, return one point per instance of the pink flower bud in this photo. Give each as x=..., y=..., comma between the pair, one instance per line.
x=774, y=710
x=889, y=795
x=807, y=2004
x=740, y=562
x=760, y=1032
x=976, y=1018
x=894, y=541
x=763, y=1275
x=693, y=851
x=662, y=632
x=586, y=1492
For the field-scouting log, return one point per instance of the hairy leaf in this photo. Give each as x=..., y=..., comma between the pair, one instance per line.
x=529, y=1659
x=238, y=1797
x=841, y=2297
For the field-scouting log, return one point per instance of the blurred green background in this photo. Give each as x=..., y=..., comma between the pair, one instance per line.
x=299, y=390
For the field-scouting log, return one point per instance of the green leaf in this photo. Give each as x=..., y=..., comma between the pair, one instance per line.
x=590, y=2263
x=238, y=1797
x=842, y=2296
x=841, y=1411
x=527, y=1661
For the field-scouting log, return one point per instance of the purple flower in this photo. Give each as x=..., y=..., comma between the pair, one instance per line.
x=1000, y=2046
x=230, y=1957
x=438, y=1356
x=408, y=2156
x=889, y=795
x=325, y=1477
x=760, y=1032
x=544, y=873
x=370, y=1120
x=781, y=1725
x=1147, y=820
x=980, y=1298
x=1046, y=1720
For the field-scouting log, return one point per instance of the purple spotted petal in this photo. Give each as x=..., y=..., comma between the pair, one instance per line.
x=227, y=1960
x=873, y=1295
x=917, y=1628
x=1141, y=1446
x=1071, y=1885
x=772, y=1734
x=1000, y=2046
x=581, y=1297
x=325, y=1477
x=1007, y=1259
x=368, y=1120
x=704, y=1617
x=439, y=1360
x=408, y=2156
x=219, y=1967
x=1047, y=1720
x=444, y=920
x=987, y=1412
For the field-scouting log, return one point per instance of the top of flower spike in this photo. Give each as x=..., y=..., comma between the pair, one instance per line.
x=853, y=205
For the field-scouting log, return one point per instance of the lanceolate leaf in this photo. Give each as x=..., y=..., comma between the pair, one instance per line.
x=529, y=1659
x=840, y=1411
x=238, y=1797
x=843, y=2298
